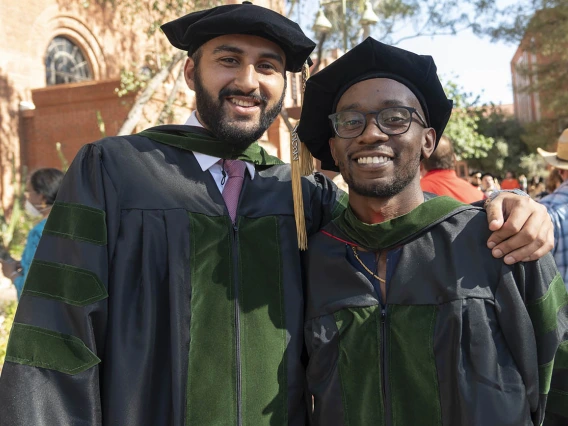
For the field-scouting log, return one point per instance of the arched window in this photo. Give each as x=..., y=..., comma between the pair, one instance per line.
x=65, y=63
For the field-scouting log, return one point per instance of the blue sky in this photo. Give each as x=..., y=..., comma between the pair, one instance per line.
x=479, y=66
x=476, y=64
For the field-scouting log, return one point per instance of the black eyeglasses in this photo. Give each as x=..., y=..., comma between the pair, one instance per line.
x=391, y=121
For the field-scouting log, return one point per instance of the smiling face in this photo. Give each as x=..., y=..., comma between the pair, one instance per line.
x=375, y=164
x=239, y=83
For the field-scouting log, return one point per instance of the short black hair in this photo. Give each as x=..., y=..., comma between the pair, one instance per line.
x=196, y=57
x=472, y=174
x=46, y=182
x=487, y=174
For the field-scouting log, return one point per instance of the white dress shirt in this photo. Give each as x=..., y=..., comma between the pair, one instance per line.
x=208, y=162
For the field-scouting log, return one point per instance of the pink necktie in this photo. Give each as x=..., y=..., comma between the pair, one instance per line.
x=235, y=170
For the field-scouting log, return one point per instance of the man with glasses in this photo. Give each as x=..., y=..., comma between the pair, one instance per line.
x=409, y=319
x=167, y=287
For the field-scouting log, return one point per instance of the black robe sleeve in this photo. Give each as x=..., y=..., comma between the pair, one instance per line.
x=53, y=369
x=326, y=202
x=531, y=302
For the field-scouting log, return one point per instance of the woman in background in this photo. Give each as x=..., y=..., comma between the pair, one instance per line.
x=41, y=191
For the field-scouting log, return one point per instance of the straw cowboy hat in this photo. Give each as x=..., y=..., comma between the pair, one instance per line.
x=558, y=159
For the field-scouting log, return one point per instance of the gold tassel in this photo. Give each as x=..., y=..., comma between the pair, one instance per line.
x=297, y=196
x=302, y=164
x=306, y=159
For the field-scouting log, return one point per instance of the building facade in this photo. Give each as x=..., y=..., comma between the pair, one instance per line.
x=527, y=103
x=539, y=71
x=60, y=69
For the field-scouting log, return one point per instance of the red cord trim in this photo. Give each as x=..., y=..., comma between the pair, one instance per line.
x=338, y=239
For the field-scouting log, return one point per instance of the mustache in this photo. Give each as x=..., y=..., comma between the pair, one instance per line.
x=226, y=92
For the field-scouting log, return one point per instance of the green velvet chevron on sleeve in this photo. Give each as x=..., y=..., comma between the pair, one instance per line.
x=66, y=283
x=544, y=310
x=77, y=222
x=557, y=402
x=40, y=347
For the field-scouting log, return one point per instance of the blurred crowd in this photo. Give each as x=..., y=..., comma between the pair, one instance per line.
x=536, y=187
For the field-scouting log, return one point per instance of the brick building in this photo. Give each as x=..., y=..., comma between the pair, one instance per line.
x=527, y=104
x=60, y=63
x=535, y=58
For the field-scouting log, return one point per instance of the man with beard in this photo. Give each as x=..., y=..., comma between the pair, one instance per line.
x=154, y=298
x=409, y=319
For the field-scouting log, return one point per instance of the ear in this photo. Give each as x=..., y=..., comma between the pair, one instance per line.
x=428, y=143
x=189, y=73
x=332, y=149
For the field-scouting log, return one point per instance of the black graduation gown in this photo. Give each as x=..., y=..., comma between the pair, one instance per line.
x=145, y=305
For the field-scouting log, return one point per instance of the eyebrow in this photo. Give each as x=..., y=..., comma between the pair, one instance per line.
x=239, y=51
x=393, y=102
x=350, y=106
x=386, y=104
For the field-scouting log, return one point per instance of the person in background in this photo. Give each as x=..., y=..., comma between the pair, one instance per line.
x=41, y=191
x=510, y=182
x=536, y=188
x=557, y=203
x=553, y=181
x=488, y=185
x=523, y=182
x=440, y=175
x=475, y=179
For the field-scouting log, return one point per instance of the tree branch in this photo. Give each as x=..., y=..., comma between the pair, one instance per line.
x=291, y=10
x=320, y=52
x=171, y=98
x=286, y=118
x=153, y=84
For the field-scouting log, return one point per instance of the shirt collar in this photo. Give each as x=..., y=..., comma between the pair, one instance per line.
x=207, y=161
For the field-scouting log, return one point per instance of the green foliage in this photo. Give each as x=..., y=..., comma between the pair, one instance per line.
x=542, y=27
x=132, y=81
x=533, y=165
x=509, y=149
x=543, y=133
x=7, y=313
x=14, y=223
x=463, y=126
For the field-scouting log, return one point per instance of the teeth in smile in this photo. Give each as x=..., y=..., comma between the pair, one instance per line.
x=372, y=160
x=242, y=103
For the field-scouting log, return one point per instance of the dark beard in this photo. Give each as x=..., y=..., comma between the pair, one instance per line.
x=400, y=181
x=211, y=113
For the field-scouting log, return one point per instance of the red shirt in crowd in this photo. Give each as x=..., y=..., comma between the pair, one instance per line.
x=510, y=184
x=446, y=182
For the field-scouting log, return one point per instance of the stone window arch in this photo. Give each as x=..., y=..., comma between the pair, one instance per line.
x=65, y=63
